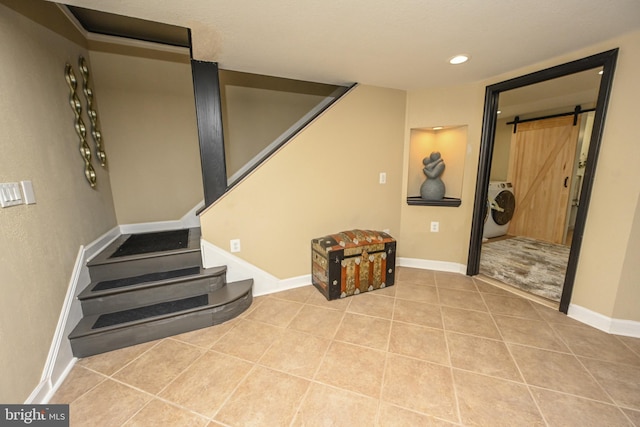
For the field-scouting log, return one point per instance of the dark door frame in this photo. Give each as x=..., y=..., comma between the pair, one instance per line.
x=606, y=60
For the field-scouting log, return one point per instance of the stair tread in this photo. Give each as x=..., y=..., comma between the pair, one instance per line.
x=225, y=295
x=106, y=255
x=149, y=280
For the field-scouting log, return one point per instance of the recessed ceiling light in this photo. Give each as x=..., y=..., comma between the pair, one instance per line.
x=600, y=72
x=499, y=111
x=459, y=59
x=437, y=127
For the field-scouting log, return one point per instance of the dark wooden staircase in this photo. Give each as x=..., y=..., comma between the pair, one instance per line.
x=152, y=285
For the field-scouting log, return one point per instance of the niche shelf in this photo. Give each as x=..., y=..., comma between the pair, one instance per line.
x=447, y=201
x=451, y=142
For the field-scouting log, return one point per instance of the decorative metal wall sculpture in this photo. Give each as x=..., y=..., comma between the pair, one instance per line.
x=81, y=129
x=92, y=113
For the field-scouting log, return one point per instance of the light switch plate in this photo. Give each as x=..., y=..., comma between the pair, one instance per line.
x=27, y=191
x=10, y=194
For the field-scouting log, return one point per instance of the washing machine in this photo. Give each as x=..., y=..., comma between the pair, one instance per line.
x=501, y=203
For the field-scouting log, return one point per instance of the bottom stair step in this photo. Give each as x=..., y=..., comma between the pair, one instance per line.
x=101, y=333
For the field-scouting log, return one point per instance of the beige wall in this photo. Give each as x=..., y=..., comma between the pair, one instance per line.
x=451, y=106
x=501, y=149
x=324, y=181
x=626, y=305
x=602, y=281
x=253, y=117
x=147, y=115
x=39, y=243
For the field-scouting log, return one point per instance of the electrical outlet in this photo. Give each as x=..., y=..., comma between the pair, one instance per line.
x=234, y=245
x=435, y=226
x=383, y=177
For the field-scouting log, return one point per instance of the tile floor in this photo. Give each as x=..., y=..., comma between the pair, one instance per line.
x=435, y=349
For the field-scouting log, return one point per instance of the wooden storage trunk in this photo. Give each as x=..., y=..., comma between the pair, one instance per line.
x=352, y=262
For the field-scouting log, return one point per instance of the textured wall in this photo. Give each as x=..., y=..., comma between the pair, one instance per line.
x=324, y=181
x=148, y=118
x=39, y=243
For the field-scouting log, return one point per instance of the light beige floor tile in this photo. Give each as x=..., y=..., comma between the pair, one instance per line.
x=206, y=384
x=78, y=382
x=329, y=406
x=206, y=337
x=622, y=382
x=446, y=280
x=420, y=342
x=275, y=312
x=511, y=306
x=534, y=333
x=316, y=298
x=634, y=416
x=469, y=322
x=591, y=342
x=352, y=368
x=415, y=275
x=420, y=386
x=566, y=410
x=481, y=355
x=461, y=299
x=319, y=321
x=552, y=315
x=393, y=416
x=556, y=371
x=488, y=288
x=159, y=413
x=418, y=313
x=632, y=343
x=257, y=302
x=159, y=366
x=248, y=340
x=364, y=330
x=418, y=292
x=108, y=363
x=296, y=353
x=489, y=401
x=264, y=398
x=109, y=404
x=388, y=291
x=372, y=305
x=300, y=294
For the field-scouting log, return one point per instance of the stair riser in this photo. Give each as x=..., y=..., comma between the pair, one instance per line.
x=152, y=295
x=137, y=334
x=136, y=267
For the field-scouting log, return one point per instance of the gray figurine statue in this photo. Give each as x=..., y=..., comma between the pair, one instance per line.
x=433, y=187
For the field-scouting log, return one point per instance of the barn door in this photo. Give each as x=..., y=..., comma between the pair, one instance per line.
x=541, y=168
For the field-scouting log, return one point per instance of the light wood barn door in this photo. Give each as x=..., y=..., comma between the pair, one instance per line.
x=541, y=169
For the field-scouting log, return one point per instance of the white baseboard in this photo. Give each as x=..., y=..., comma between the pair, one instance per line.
x=432, y=265
x=189, y=220
x=60, y=359
x=629, y=328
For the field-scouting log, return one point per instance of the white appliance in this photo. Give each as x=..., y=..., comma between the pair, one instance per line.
x=501, y=203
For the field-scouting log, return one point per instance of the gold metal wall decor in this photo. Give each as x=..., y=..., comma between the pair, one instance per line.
x=81, y=129
x=92, y=113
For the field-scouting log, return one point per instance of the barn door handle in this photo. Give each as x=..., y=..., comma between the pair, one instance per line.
x=566, y=179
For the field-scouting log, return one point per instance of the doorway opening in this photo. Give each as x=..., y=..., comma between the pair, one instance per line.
x=530, y=188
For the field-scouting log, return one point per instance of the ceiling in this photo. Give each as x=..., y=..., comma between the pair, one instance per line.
x=403, y=44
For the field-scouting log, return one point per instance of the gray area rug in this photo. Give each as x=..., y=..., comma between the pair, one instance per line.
x=530, y=265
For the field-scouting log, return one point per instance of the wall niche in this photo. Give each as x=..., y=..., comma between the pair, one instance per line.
x=451, y=142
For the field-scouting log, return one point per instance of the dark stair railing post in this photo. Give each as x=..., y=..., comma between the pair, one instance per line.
x=206, y=87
